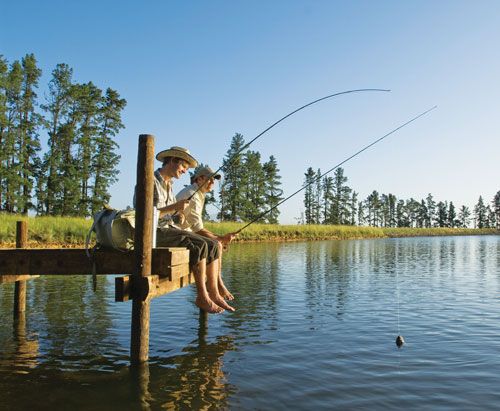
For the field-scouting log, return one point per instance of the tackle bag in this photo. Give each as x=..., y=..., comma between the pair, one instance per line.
x=113, y=229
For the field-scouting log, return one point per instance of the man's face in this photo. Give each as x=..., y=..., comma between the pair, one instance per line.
x=206, y=184
x=178, y=167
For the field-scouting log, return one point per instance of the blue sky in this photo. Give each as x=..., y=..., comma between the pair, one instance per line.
x=196, y=72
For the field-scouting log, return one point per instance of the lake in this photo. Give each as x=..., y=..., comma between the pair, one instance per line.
x=315, y=328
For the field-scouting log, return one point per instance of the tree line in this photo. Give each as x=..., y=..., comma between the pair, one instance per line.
x=329, y=200
x=79, y=123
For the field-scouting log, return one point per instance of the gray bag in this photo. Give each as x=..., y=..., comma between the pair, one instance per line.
x=113, y=229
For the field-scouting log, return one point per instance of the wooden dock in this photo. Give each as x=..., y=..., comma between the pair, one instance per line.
x=151, y=272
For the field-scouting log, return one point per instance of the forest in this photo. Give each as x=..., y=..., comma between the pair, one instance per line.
x=76, y=122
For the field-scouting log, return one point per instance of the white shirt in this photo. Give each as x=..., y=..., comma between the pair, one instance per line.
x=194, y=211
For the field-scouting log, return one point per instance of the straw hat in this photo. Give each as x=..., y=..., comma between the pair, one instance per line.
x=178, y=152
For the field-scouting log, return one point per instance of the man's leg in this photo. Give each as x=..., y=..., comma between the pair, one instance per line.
x=203, y=299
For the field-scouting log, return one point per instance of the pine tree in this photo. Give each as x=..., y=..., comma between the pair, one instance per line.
x=231, y=194
x=4, y=69
x=464, y=216
x=89, y=98
x=496, y=209
x=105, y=160
x=309, y=197
x=402, y=219
x=423, y=215
x=480, y=215
x=361, y=213
x=442, y=214
x=341, y=198
x=253, y=185
x=12, y=168
x=28, y=143
x=431, y=210
x=327, y=188
x=272, y=192
x=452, y=215
x=353, y=208
x=372, y=203
x=57, y=107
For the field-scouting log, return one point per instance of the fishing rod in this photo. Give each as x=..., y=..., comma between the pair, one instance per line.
x=279, y=121
x=337, y=166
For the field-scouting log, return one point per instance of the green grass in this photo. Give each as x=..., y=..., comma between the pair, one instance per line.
x=71, y=231
x=61, y=230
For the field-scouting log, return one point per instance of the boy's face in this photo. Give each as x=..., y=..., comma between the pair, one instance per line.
x=206, y=184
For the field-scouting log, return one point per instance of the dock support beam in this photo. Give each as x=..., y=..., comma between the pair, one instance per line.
x=139, y=339
x=20, y=286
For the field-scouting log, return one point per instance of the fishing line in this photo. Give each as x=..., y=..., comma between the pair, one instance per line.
x=337, y=166
x=230, y=161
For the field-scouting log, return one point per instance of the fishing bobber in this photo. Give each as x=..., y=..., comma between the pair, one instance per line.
x=400, y=341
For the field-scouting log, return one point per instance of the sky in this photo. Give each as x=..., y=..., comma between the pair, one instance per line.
x=194, y=73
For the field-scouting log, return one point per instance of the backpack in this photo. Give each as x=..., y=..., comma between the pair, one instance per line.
x=113, y=229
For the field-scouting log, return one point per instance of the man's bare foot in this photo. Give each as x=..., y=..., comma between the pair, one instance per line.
x=217, y=299
x=209, y=306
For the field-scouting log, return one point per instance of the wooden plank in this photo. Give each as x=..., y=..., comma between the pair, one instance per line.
x=70, y=261
x=157, y=286
x=4, y=279
x=122, y=288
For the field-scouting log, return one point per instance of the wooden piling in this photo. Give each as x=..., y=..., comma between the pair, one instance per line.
x=139, y=339
x=20, y=286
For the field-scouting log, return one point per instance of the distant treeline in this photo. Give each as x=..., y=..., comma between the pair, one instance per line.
x=78, y=124
x=329, y=200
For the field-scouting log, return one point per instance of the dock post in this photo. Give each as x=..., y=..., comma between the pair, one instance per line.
x=20, y=286
x=139, y=338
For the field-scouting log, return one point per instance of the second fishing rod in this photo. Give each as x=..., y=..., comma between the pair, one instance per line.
x=332, y=169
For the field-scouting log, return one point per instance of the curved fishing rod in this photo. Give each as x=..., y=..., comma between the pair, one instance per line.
x=329, y=171
x=279, y=121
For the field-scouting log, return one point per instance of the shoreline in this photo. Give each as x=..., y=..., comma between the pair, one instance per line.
x=70, y=232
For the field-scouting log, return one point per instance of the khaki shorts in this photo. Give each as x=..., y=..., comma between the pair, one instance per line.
x=199, y=247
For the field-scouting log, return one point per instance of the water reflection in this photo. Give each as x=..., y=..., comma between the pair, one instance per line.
x=22, y=351
x=255, y=275
x=193, y=380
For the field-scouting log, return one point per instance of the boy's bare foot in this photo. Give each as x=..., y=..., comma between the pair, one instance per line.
x=224, y=292
x=209, y=306
x=217, y=299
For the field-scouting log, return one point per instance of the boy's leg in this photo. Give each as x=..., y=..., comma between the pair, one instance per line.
x=213, y=271
x=223, y=291
x=213, y=285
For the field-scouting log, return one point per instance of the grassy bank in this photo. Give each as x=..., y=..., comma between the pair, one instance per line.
x=71, y=231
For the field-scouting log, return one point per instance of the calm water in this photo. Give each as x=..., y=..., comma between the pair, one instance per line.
x=315, y=329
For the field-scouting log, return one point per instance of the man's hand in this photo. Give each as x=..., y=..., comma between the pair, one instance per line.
x=181, y=205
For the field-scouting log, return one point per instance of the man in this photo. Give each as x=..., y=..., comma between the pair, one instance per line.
x=202, y=182
x=203, y=254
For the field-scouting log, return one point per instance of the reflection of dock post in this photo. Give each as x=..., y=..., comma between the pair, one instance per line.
x=20, y=286
x=139, y=338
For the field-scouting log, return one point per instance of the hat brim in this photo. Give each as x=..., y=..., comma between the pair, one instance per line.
x=178, y=154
